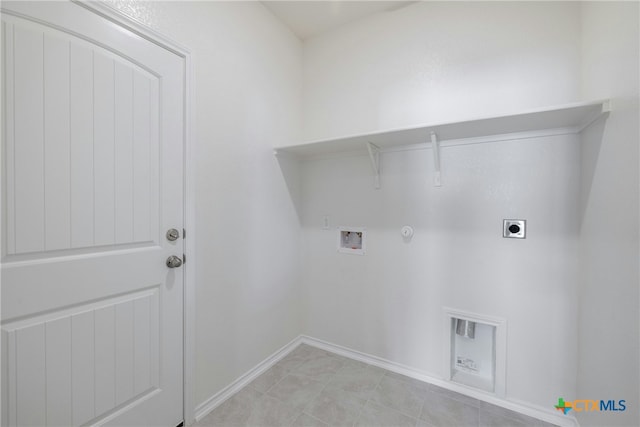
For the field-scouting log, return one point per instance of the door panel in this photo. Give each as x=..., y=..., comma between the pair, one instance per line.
x=57, y=150
x=76, y=364
x=92, y=176
x=72, y=147
x=27, y=156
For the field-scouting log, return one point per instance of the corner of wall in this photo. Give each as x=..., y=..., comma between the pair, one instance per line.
x=608, y=325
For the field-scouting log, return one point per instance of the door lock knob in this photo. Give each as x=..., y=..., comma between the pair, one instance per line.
x=173, y=235
x=174, y=261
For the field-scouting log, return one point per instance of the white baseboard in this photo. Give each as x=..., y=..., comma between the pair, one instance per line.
x=203, y=409
x=514, y=405
x=524, y=408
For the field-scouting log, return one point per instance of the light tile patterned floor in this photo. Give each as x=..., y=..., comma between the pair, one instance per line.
x=311, y=387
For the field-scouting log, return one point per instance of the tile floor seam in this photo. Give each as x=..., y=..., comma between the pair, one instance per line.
x=291, y=372
x=304, y=408
x=396, y=409
x=391, y=409
x=424, y=402
x=335, y=375
x=369, y=408
x=369, y=398
x=312, y=416
x=275, y=384
x=314, y=397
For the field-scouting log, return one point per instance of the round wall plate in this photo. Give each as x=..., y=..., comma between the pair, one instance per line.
x=407, y=231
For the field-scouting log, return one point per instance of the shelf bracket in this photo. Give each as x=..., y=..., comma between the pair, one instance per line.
x=374, y=156
x=435, y=145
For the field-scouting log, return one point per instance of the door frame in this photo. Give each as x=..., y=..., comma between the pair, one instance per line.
x=189, y=180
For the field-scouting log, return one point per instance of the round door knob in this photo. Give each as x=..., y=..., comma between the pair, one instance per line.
x=174, y=261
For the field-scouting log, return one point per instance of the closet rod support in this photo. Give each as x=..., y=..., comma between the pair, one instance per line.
x=435, y=145
x=374, y=156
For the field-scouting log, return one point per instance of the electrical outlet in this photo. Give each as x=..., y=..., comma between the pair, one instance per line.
x=325, y=222
x=514, y=228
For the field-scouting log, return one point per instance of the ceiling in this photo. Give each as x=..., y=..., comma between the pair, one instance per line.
x=309, y=18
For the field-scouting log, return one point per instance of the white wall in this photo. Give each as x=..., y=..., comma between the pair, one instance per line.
x=434, y=62
x=440, y=61
x=389, y=303
x=609, y=308
x=247, y=96
x=429, y=62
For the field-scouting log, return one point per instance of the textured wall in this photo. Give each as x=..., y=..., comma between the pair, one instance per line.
x=436, y=62
x=247, y=97
x=429, y=62
x=609, y=252
x=390, y=302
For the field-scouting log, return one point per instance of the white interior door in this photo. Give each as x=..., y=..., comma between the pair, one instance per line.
x=92, y=178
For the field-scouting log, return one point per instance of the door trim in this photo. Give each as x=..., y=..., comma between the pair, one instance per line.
x=189, y=180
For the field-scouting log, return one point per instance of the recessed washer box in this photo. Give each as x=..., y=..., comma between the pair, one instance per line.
x=352, y=240
x=475, y=350
x=514, y=228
